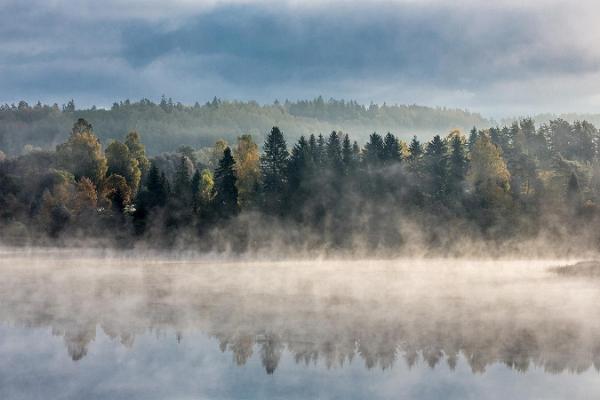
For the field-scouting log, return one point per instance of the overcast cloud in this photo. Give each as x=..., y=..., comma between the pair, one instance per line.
x=499, y=59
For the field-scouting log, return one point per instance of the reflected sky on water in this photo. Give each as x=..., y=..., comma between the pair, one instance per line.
x=97, y=328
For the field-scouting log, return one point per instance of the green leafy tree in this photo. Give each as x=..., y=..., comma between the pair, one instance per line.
x=82, y=153
x=121, y=162
x=202, y=190
x=247, y=167
x=488, y=174
x=138, y=151
x=116, y=189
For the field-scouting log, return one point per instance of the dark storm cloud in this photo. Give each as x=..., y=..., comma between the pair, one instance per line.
x=437, y=44
x=405, y=51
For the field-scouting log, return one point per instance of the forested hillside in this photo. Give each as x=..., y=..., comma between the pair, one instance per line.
x=535, y=190
x=168, y=125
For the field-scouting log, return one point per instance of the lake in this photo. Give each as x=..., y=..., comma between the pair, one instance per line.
x=83, y=326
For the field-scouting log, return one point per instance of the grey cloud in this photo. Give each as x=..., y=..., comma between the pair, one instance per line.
x=398, y=51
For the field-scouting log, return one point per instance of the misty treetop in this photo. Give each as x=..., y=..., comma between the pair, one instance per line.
x=495, y=185
x=168, y=124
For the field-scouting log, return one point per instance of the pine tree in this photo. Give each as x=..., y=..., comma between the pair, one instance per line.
x=155, y=186
x=320, y=154
x=274, y=171
x=334, y=153
x=458, y=166
x=415, y=155
x=573, y=193
x=181, y=184
x=313, y=147
x=436, y=166
x=300, y=173
x=473, y=135
x=391, y=149
x=373, y=153
x=195, y=187
x=225, y=189
x=348, y=156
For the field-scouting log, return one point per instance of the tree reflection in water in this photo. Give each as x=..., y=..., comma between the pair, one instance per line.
x=514, y=313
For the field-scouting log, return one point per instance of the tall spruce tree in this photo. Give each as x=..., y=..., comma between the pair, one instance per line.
x=348, y=157
x=436, y=167
x=157, y=192
x=391, y=149
x=225, y=189
x=473, y=135
x=415, y=156
x=373, y=153
x=274, y=163
x=458, y=166
x=334, y=153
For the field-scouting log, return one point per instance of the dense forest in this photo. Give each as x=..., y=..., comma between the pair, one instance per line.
x=169, y=124
x=518, y=185
x=495, y=186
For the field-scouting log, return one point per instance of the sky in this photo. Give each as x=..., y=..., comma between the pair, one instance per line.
x=499, y=58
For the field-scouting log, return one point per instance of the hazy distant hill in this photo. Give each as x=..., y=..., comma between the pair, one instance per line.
x=167, y=125
x=570, y=117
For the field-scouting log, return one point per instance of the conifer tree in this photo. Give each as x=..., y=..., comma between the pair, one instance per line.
x=274, y=171
x=473, y=135
x=225, y=189
x=156, y=190
x=391, y=149
x=458, y=166
x=349, y=158
x=436, y=167
x=181, y=183
x=415, y=152
x=373, y=153
x=334, y=153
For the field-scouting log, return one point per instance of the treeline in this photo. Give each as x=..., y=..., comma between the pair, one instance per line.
x=168, y=124
x=494, y=186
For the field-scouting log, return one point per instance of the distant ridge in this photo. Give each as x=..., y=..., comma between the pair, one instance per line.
x=167, y=124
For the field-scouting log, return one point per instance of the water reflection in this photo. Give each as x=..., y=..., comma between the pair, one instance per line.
x=381, y=313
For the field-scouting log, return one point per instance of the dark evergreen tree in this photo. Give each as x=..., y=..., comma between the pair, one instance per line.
x=391, y=148
x=573, y=193
x=373, y=153
x=415, y=155
x=473, y=135
x=320, y=155
x=225, y=190
x=458, y=167
x=181, y=183
x=300, y=173
x=313, y=147
x=349, y=158
x=156, y=190
x=274, y=171
x=195, y=189
x=334, y=153
x=436, y=167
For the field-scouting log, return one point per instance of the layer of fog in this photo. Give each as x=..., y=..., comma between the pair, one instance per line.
x=519, y=313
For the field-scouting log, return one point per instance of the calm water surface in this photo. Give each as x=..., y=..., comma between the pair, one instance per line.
x=76, y=327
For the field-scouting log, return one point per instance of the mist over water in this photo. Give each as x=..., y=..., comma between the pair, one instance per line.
x=84, y=326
